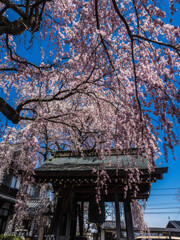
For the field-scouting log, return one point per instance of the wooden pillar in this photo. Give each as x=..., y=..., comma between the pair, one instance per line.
x=32, y=227
x=74, y=217
x=128, y=218
x=63, y=220
x=118, y=223
x=41, y=228
x=67, y=214
x=58, y=224
x=68, y=225
x=81, y=218
x=99, y=230
x=54, y=223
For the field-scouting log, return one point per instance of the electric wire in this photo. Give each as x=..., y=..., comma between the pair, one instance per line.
x=164, y=194
x=156, y=204
x=163, y=208
x=161, y=212
x=162, y=189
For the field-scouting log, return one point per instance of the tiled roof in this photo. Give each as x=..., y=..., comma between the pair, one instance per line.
x=176, y=224
x=66, y=163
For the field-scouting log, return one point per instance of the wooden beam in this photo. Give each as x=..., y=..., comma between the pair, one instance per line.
x=128, y=219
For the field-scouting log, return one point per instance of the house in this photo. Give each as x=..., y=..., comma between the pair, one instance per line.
x=8, y=197
x=176, y=225
x=8, y=191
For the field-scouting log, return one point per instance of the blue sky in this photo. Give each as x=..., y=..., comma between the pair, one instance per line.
x=163, y=195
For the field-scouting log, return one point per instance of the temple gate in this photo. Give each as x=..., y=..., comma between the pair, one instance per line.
x=74, y=183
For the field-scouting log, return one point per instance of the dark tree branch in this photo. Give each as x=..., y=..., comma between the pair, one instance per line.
x=3, y=10
x=36, y=5
x=27, y=7
x=27, y=21
x=135, y=79
x=158, y=42
x=8, y=69
x=122, y=17
x=137, y=16
x=9, y=112
x=25, y=62
x=103, y=42
x=13, y=6
x=18, y=58
x=17, y=27
x=133, y=57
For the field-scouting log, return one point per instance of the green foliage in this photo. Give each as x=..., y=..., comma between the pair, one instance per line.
x=9, y=237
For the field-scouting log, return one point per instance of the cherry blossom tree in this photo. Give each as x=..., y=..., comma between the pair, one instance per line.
x=107, y=78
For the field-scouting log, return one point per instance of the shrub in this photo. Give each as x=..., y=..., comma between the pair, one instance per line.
x=9, y=237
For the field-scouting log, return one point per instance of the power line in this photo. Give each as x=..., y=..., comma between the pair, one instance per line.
x=165, y=194
x=161, y=213
x=157, y=204
x=154, y=189
x=163, y=208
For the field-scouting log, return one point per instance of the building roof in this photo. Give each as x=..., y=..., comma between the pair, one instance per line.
x=81, y=164
x=175, y=224
x=65, y=163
